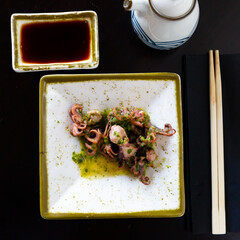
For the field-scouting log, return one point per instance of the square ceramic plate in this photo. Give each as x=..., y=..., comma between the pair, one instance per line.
x=64, y=192
x=19, y=19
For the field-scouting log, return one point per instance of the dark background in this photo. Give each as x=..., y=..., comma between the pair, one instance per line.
x=120, y=51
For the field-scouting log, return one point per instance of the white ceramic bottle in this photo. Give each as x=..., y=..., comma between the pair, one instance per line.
x=163, y=24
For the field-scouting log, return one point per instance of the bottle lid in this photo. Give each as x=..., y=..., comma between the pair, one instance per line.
x=172, y=9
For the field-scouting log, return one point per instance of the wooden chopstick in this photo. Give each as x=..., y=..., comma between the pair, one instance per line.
x=214, y=160
x=217, y=151
x=220, y=156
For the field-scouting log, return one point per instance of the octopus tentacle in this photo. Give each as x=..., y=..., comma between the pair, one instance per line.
x=121, y=113
x=76, y=113
x=96, y=136
x=107, y=150
x=151, y=155
x=91, y=149
x=91, y=152
x=137, y=118
x=75, y=109
x=152, y=137
x=139, y=114
x=82, y=126
x=110, y=151
x=137, y=123
x=167, y=131
x=134, y=167
x=102, y=150
x=125, y=113
x=117, y=113
x=110, y=114
x=142, y=167
x=76, y=130
x=105, y=134
x=145, y=180
x=90, y=146
x=140, y=142
x=132, y=113
x=110, y=154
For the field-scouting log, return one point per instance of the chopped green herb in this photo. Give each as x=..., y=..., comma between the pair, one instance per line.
x=79, y=111
x=142, y=138
x=106, y=140
x=77, y=157
x=129, y=150
x=120, y=141
x=116, y=134
x=85, y=117
x=113, y=120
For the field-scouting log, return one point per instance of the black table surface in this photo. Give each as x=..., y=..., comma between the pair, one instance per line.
x=120, y=51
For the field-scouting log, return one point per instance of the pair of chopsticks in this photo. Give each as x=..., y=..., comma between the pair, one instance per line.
x=217, y=152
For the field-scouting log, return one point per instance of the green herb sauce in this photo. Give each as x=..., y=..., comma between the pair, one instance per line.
x=97, y=166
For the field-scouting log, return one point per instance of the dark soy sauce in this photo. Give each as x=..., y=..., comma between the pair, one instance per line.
x=55, y=42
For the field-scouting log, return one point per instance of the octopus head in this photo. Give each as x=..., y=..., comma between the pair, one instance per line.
x=118, y=135
x=93, y=117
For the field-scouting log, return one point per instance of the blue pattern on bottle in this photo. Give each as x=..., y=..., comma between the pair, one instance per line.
x=158, y=45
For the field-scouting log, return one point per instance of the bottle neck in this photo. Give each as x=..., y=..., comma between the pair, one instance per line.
x=138, y=5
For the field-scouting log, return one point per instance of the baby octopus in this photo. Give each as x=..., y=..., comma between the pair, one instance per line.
x=125, y=135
